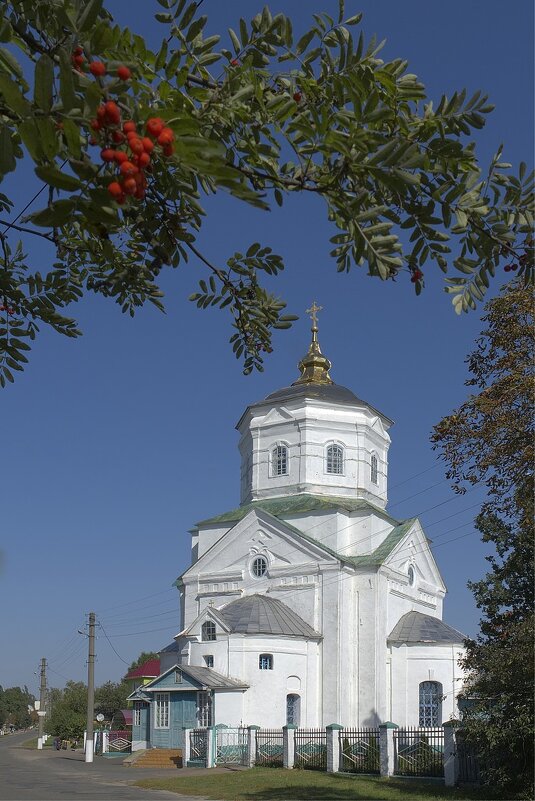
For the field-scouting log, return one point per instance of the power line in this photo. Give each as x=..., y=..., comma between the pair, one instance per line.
x=111, y=645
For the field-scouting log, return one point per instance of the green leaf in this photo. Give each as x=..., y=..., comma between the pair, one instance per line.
x=13, y=96
x=304, y=41
x=58, y=179
x=10, y=62
x=29, y=134
x=71, y=133
x=44, y=83
x=56, y=214
x=7, y=159
x=90, y=10
x=47, y=132
x=66, y=82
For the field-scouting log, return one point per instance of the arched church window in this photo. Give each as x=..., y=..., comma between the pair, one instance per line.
x=335, y=459
x=410, y=575
x=430, y=709
x=208, y=631
x=265, y=662
x=259, y=566
x=374, y=469
x=293, y=709
x=279, y=460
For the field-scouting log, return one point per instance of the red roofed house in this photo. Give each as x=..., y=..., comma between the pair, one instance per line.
x=141, y=675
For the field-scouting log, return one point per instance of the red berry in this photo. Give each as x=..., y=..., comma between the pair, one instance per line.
x=108, y=154
x=127, y=168
x=130, y=186
x=136, y=145
x=78, y=60
x=155, y=126
x=129, y=126
x=113, y=113
x=507, y=268
x=297, y=97
x=168, y=150
x=78, y=51
x=117, y=136
x=148, y=144
x=96, y=125
x=143, y=159
x=234, y=63
x=115, y=189
x=123, y=73
x=120, y=156
x=166, y=137
x=101, y=112
x=97, y=69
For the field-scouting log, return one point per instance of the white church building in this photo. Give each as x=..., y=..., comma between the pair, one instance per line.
x=309, y=603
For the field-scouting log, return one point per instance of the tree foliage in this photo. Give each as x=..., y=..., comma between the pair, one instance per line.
x=489, y=440
x=144, y=656
x=265, y=116
x=68, y=715
x=14, y=702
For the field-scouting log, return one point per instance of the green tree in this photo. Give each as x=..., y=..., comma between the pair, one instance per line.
x=261, y=118
x=110, y=697
x=14, y=702
x=489, y=441
x=69, y=711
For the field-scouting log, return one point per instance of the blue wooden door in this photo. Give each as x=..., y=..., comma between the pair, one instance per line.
x=183, y=715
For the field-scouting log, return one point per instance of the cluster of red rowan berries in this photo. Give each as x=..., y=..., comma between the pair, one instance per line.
x=122, y=144
x=7, y=309
x=417, y=275
x=130, y=150
x=96, y=67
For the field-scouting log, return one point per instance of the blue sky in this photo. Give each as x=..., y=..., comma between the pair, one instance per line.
x=115, y=444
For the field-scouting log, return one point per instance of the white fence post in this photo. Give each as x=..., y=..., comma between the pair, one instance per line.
x=186, y=754
x=105, y=741
x=211, y=746
x=288, y=740
x=451, y=762
x=386, y=748
x=332, y=732
x=251, y=745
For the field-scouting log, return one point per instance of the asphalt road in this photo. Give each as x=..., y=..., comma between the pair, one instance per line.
x=50, y=775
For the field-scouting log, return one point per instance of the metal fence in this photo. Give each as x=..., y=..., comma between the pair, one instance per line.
x=269, y=748
x=120, y=740
x=198, y=746
x=419, y=752
x=359, y=750
x=310, y=749
x=231, y=746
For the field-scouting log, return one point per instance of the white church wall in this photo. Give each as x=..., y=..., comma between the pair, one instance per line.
x=411, y=665
x=228, y=708
x=208, y=536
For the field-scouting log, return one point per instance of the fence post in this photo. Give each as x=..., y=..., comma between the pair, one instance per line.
x=386, y=748
x=211, y=734
x=251, y=745
x=105, y=741
x=332, y=732
x=288, y=742
x=186, y=753
x=451, y=761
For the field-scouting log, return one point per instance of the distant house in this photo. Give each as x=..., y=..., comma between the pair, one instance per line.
x=142, y=675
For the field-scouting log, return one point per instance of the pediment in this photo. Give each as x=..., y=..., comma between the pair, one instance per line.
x=258, y=533
x=277, y=415
x=414, y=550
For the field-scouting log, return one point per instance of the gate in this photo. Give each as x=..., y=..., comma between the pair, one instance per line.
x=310, y=749
x=359, y=751
x=467, y=761
x=230, y=746
x=419, y=752
x=198, y=748
x=269, y=748
x=120, y=740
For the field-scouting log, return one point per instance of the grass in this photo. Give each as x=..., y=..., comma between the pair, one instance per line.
x=272, y=784
x=32, y=744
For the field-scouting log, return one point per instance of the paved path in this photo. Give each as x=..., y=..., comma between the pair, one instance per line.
x=50, y=775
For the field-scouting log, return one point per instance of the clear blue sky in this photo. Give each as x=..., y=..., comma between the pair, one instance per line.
x=115, y=444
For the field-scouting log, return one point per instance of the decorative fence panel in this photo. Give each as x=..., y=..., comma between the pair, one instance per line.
x=419, y=752
x=467, y=761
x=359, y=750
x=269, y=748
x=310, y=749
x=198, y=746
x=120, y=740
x=231, y=746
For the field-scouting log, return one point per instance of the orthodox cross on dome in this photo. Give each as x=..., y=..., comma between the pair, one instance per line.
x=313, y=311
x=314, y=367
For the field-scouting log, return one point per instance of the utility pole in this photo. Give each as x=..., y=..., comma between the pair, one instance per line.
x=41, y=711
x=89, y=743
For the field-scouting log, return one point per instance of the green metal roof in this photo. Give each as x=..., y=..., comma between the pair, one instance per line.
x=298, y=504
x=377, y=557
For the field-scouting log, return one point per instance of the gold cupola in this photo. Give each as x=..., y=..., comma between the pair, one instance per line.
x=314, y=366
